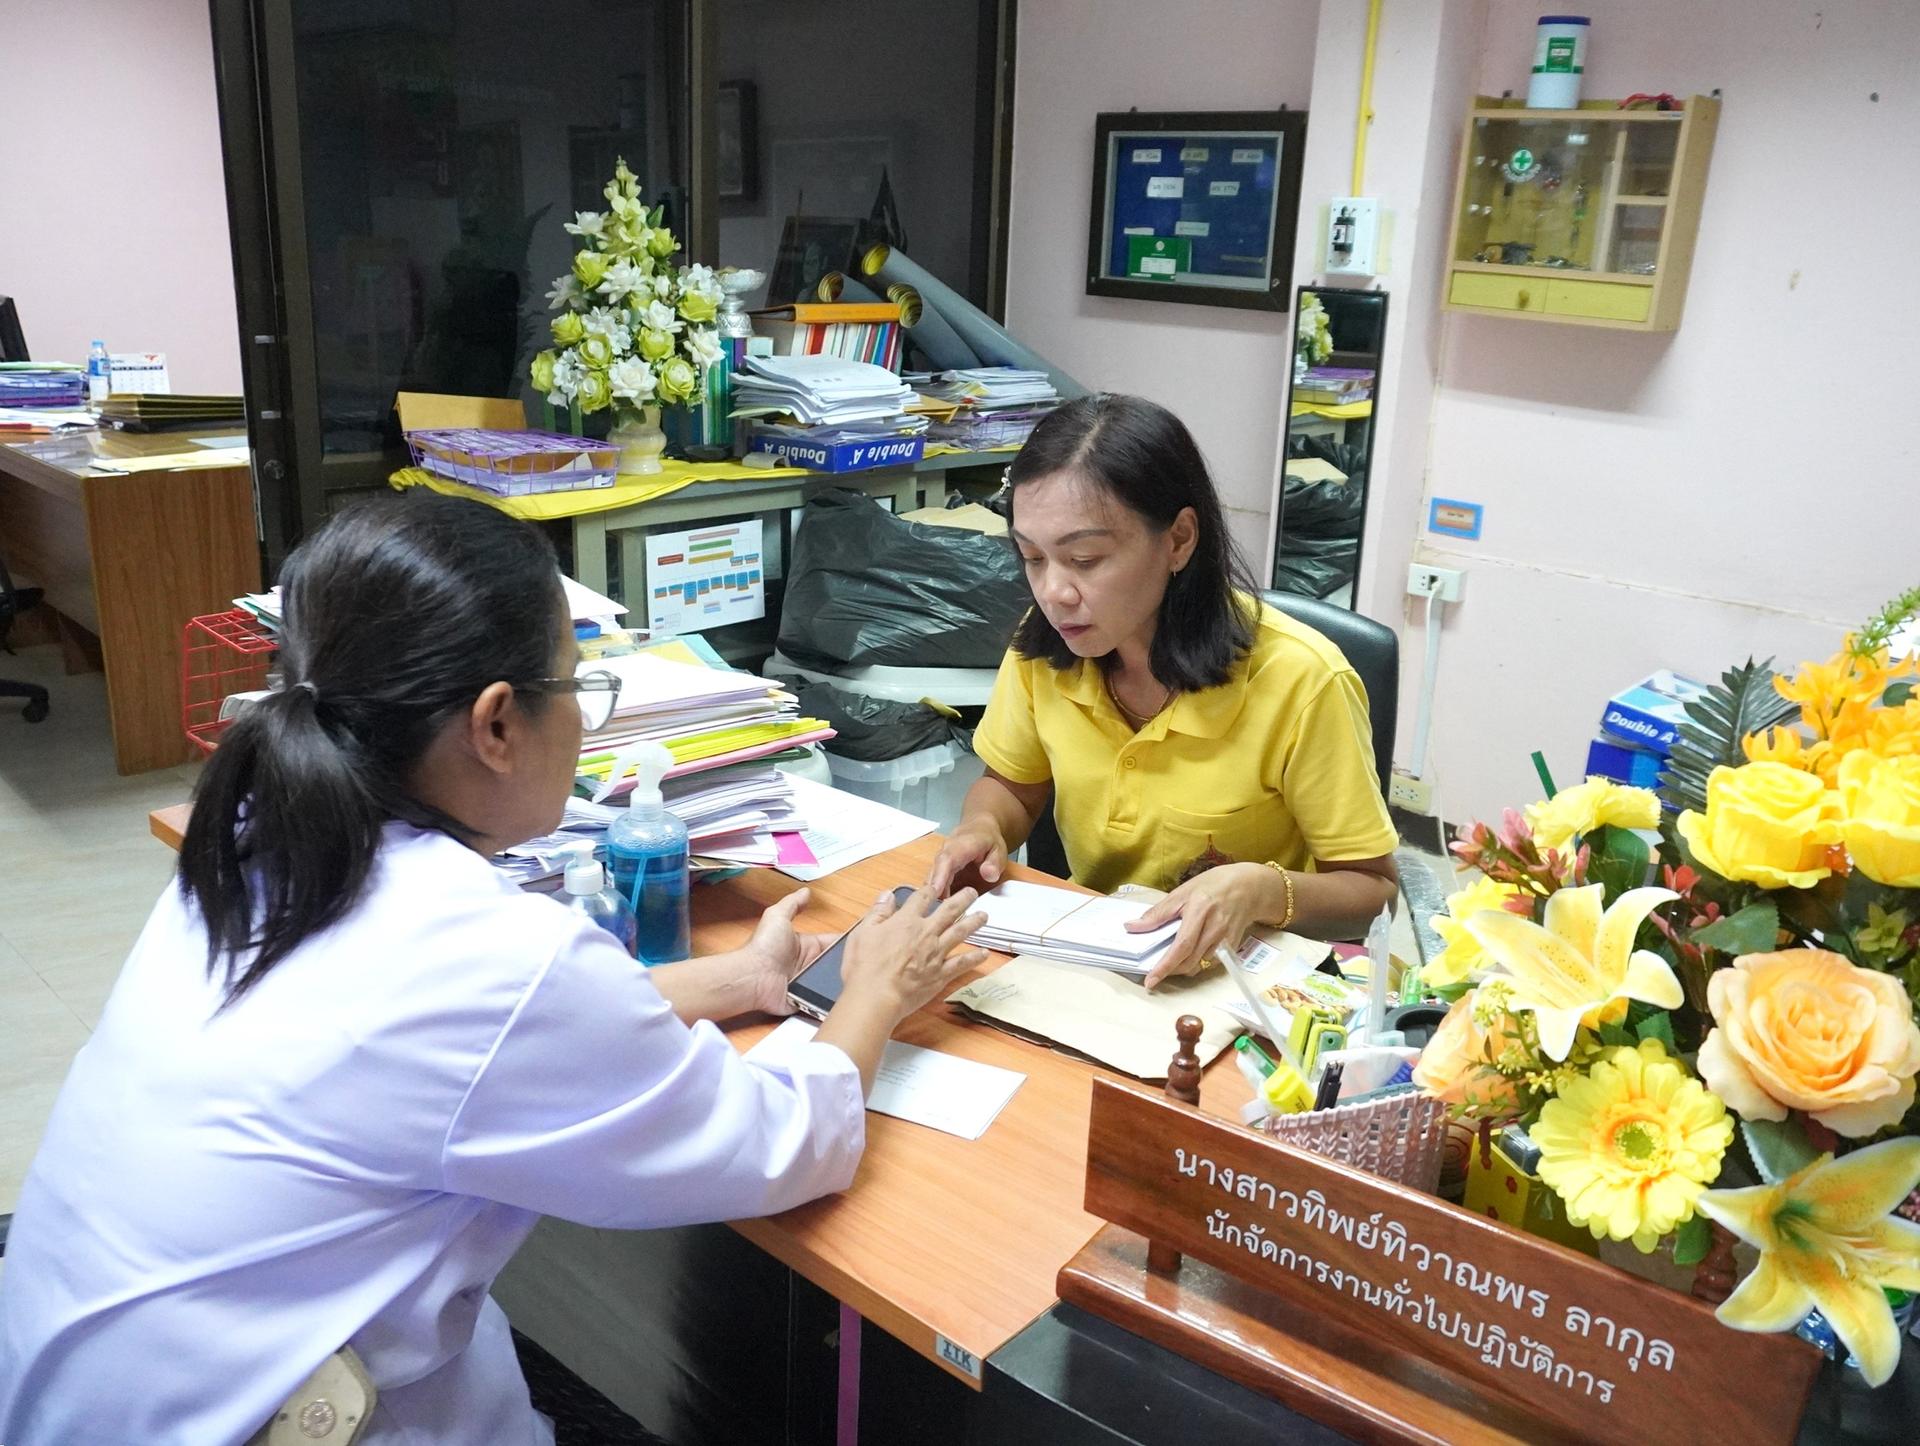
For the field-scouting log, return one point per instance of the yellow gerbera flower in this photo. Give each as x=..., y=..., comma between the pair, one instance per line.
x=1463, y=956
x=1582, y=963
x=1828, y=1239
x=1587, y=806
x=1630, y=1145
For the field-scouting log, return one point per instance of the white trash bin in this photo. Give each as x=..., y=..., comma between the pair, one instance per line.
x=930, y=783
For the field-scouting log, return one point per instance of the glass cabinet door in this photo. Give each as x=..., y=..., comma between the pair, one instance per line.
x=1585, y=192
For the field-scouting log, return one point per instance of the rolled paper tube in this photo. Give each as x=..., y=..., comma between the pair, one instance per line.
x=838, y=286
x=986, y=338
x=929, y=331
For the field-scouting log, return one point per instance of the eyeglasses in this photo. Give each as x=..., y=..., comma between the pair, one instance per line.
x=596, y=693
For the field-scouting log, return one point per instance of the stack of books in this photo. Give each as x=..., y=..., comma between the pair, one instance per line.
x=1334, y=386
x=1043, y=922
x=170, y=411
x=42, y=384
x=853, y=331
x=992, y=407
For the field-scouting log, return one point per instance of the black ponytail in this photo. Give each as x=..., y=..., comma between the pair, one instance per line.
x=398, y=614
x=1143, y=456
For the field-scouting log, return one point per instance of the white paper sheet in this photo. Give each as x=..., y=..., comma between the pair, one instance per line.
x=942, y=1091
x=843, y=829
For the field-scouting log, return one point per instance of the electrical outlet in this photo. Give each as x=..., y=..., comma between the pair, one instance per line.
x=1425, y=580
x=1413, y=794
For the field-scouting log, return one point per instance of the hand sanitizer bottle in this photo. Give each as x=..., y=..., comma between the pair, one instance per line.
x=647, y=847
x=98, y=374
x=586, y=891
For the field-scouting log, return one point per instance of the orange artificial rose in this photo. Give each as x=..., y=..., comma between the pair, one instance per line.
x=1453, y=1067
x=1804, y=1029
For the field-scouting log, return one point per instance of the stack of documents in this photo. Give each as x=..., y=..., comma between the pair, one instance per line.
x=1049, y=923
x=989, y=388
x=40, y=384
x=705, y=717
x=818, y=390
x=168, y=411
x=543, y=860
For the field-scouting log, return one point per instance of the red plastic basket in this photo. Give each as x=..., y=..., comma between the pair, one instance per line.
x=220, y=655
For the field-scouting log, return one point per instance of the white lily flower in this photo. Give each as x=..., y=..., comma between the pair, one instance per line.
x=568, y=372
x=624, y=281
x=566, y=291
x=586, y=223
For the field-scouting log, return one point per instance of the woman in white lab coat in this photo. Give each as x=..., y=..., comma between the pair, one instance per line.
x=346, y=1066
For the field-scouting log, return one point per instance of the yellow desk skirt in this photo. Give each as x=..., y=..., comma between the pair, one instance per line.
x=1345, y=412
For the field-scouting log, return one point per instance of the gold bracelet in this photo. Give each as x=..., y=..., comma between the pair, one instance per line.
x=1287, y=879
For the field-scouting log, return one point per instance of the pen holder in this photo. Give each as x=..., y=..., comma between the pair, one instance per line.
x=1399, y=1138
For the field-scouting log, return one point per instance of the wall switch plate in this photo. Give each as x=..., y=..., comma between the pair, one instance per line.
x=1353, y=236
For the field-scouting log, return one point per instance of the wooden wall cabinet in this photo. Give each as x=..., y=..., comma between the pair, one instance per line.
x=1584, y=216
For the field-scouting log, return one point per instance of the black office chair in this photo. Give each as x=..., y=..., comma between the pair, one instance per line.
x=13, y=602
x=1370, y=647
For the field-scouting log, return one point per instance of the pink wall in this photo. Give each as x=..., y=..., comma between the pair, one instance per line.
x=115, y=205
x=1223, y=371
x=1742, y=486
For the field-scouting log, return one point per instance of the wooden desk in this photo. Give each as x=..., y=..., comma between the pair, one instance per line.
x=939, y=1237
x=125, y=562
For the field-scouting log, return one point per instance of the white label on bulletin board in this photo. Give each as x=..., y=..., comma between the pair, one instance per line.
x=1159, y=265
x=1191, y=228
x=1194, y=153
x=138, y=371
x=1166, y=188
x=1223, y=188
x=1147, y=157
x=1136, y=230
x=1248, y=155
x=705, y=579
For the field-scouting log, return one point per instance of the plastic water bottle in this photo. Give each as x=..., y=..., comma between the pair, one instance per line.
x=99, y=372
x=647, y=848
x=586, y=891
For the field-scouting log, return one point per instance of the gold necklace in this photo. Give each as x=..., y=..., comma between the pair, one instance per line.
x=1132, y=716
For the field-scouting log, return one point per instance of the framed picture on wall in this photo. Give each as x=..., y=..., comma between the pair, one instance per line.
x=1195, y=206
x=737, y=140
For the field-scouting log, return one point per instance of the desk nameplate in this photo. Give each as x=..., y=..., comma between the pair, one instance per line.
x=1532, y=1327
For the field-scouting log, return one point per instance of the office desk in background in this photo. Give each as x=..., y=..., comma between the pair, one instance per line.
x=125, y=561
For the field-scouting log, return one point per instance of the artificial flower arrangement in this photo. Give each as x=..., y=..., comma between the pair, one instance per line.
x=632, y=331
x=1313, y=334
x=1766, y=980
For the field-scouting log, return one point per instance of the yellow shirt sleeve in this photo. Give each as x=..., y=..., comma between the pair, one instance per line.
x=1329, y=783
x=1008, y=738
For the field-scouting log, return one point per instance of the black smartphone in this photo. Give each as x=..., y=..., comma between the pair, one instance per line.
x=817, y=988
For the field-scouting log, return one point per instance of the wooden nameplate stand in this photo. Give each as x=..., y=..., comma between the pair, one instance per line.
x=1388, y=1314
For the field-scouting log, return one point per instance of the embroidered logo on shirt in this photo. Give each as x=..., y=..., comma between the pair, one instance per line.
x=1211, y=859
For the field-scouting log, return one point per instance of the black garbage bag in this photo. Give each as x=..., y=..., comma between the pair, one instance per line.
x=873, y=730
x=1321, y=510
x=866, y=589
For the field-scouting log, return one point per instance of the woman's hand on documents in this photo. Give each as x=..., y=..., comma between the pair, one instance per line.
x=1219, y=907
x=974, y=853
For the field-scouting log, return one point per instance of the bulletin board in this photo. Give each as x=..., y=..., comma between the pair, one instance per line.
x=1198, y=207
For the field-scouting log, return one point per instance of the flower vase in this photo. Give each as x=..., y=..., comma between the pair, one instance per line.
x=636, y=432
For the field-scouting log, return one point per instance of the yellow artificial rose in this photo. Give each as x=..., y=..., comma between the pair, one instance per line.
x=541, y=373
x=1586, y=806
x=677, y=379
x=655, y=345
x=1765, y=824
x=1804, y=1029
x=1453, y=1067
x=568, y=328
x=1463, y=955
x=590, y=267
x=1882, y=827
x=697, y=307
x=662, y=244
x=596, y=351
x=595, y=391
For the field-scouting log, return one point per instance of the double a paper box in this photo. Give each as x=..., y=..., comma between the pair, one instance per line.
x=840, y=454
x=1649, y=713
x=1623, y=763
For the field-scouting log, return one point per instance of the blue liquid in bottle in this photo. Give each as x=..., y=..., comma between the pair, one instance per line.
x=647, y=852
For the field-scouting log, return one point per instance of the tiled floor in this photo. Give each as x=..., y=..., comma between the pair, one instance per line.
x=78, y=875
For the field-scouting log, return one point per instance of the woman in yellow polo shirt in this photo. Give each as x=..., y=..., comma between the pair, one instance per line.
x=1189, y=737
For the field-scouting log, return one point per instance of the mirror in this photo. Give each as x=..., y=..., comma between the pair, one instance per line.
x=1321, y=507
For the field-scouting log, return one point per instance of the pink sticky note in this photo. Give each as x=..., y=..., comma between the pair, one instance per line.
x=791, y=848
